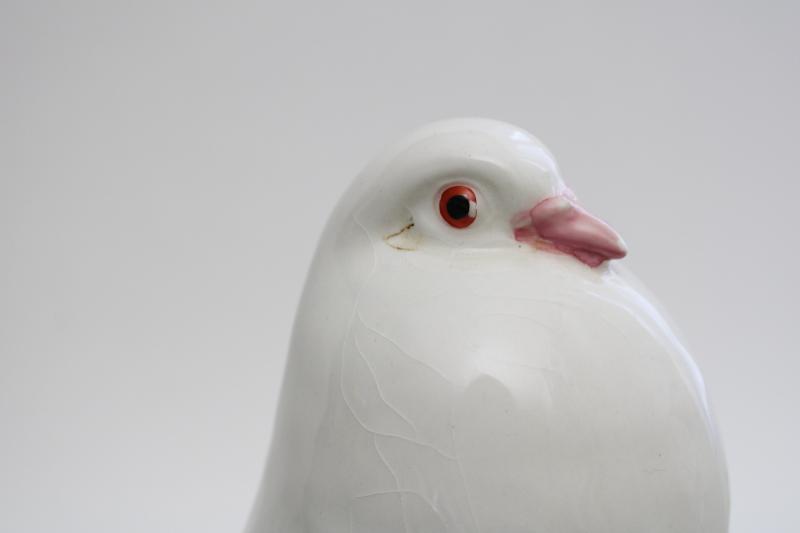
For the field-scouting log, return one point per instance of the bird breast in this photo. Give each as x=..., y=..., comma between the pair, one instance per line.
x=493, y=391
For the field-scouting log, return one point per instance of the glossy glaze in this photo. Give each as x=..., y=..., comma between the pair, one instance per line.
x=457, y=380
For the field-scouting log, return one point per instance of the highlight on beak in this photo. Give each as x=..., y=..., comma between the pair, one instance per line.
x=558, y=223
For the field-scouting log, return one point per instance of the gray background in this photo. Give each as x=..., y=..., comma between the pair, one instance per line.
x=166, y=170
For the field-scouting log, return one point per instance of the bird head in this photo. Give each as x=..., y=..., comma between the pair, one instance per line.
x=476, y=183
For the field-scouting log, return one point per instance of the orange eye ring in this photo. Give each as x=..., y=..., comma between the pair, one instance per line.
x=458, y=206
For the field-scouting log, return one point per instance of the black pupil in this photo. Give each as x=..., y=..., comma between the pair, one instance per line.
x=458, y=206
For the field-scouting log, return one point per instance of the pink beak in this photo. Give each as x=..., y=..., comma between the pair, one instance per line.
x=559, y=224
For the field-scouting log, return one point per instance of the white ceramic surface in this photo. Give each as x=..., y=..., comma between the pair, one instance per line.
x=446, y=379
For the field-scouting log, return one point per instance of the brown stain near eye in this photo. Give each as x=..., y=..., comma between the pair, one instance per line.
x=400, y=233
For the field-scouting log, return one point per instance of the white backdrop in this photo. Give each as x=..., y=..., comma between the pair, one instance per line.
x=166, y=168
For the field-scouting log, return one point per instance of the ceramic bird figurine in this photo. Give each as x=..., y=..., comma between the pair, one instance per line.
x=468, y=357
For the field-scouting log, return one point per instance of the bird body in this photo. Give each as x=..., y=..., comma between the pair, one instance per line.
x=498, y=377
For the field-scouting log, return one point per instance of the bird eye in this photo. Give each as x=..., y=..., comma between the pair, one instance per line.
x=458, y=206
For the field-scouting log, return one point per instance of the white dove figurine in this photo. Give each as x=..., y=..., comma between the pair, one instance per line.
x=467, y=359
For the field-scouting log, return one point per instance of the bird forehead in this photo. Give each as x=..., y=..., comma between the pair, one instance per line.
x=470, y=148
x=476, y=139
